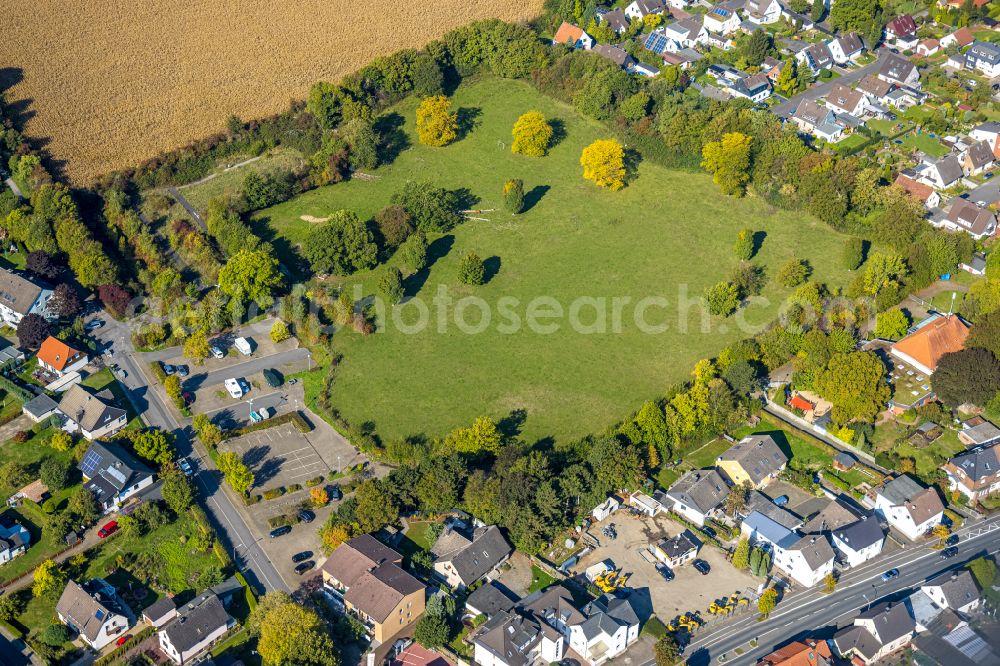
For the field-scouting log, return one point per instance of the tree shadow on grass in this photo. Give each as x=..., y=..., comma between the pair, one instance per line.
x=533, y=196
x=391, y=136
x=465, y=199
x=633, y=158
x=491, y=266
x=758, y=241
x=438, y=249
x=511, y=425
x=468, y=120
x=558, y=132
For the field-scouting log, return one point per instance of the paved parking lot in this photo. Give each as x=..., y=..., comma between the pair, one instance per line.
x=689, y=591
x=279, y=456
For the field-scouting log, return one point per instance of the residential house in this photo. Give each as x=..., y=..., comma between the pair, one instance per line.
x=898, y=70
x=20, y=296
x=36, y=492
x=960, y=38
x=811, y=652
x=771, y=67
x=663, y=43
x=978, y=222
x=572, y=36
x=686, y=33
x=928, y=47
x=846, y=48
x=647, y=70
x=807, y=560
x=908, y=506
x=639, y=9
x=112, y=475
x=612, y=625
x=756, y=87
x=93, y=416
x=677, y=550
x=763, y=12
x=615, y=54
x=93, y=611
x=943, y=173
x=977, y=431
x=877, y=89
x=842, y=99
x=754, y=460
x=976, y=265
x=860, y=541
x=975, y=473
x=815, y=119
x=990, y=133
x=978, y=158
x=902, y=31
x=759, y=528
x=816, y=56
x=160, y=612
x=698, y=495
x=461, y=561
x=761, y=503
x=14, y=538
x=876, y=633
x=832, y=517
x=955, y=590
x=198, y=625
x=40, y=407
x=722, y=21
x=512, y=639
x=488, y=600
x=368, y=578
x=615, y=19
x=922, y=192
x=59, y=358
x=904, y=97
x=985, y=57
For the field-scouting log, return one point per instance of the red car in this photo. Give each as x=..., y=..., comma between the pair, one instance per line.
x=123, y=639
x=108, y=529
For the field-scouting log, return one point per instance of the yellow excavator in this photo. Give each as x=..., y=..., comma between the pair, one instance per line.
x=611, y=580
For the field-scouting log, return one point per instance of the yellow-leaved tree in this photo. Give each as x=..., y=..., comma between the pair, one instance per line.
x=437, y=125
x=603, y=163
x=728, y=161
x=532, y=134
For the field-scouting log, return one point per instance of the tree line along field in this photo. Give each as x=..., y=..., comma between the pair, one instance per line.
x=108, y=85
x=665, y=229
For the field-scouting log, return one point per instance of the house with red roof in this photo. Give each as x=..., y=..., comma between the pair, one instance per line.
x=924, y=193
x=573, y=36
x=902, y=32
x=59, y=358
x=923, y=348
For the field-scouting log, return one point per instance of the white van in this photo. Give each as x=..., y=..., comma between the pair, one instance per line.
x=243, y=346
x=235, y=388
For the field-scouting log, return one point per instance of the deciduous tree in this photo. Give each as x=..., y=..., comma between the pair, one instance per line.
x=64, y=302
x=891, y=324
x=969, y=376
x=883, y=271
x=32, y=330
x=290, y=633
x=395, y=225
x=279, y=331
x=375, y=507
x=48, y=579
x=603, y=163
x=768, y=600
x=741, y=556
x=482, y=436
x=341, y=245
x=251, y=275
x=855, y=383
x=196, y=346
x=666, y=652
x=437, y=124
x=793, y=272
x=728, y=161
x=391, y=285
x=532, y=134
x=722, y=298
x=178, y=492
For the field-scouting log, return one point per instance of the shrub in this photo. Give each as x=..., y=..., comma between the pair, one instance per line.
x=532, y=135
x=437, y=124
x=513, y=196
x=279, y=331
x=295, y=487
x=315, y=481
x=21, y=436
x=274, y=493
x=471, y=269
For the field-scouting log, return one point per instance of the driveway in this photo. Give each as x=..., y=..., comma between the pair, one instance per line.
x=786, y=108
x=986, y=194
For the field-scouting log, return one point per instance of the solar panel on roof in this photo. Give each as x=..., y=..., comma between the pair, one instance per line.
x=116, y=474
x=90, y=463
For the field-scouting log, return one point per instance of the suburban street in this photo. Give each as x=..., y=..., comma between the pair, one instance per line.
x=226, y=518
x=812, y=612
x=819, y=90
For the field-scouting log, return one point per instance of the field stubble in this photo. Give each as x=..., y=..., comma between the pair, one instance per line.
x=108, y=85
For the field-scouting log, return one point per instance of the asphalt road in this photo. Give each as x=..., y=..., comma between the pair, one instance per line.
x=811, y=612
x=200, y=380
x=986, y=194
x=232, y=531
x=788, y=107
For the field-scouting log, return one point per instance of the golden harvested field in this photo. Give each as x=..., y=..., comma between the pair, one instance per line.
x=109, y=84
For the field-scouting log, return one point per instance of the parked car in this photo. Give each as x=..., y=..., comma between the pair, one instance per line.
x=890, y=574
x=293, y=381
x=301, y=557
x=709, y=532
x=188, y=397
x=120, y=373
x=93, y=324
x=665, y=571
x=952, y=540
x=306, y=516
x=702, y=566
x=169, y=369
x=336, y=494
x=304, y=567
x=216, y=352
x=122, y=640
x=185, y=466
x=280, y=531
x=949, y=552
x=108, y=529
x=272, y=377
x=182, y=370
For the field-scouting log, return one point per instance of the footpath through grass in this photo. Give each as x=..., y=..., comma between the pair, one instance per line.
x=669, y=234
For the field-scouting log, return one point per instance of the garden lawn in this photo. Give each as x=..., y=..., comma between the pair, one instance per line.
x=43, y=542
x=105, y=379
x=669, y=233
x=540, y=579
x=226, y=183
x=927, y=144
x=706, y=455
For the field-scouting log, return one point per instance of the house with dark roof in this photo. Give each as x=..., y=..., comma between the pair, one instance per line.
x=756, y=87
x=615, y=19
x=20, y=296
x=93, y=416
x=93, y=611
x=488, y=599
x=876, y=633
x=899, y=71
x=14, y=538
x=860, y=541
x=610, y=627
x=815, y=119
x=875, y=88
x=762, y=504
x=984, y=57
x=160, y=612
x=975, y=473
x=759, y=528
x=977, y=431
x=510, y=638
x=763, y=12
x=615, y=54
x=955, y=590
x=942, y=173
x=368, y=578
x=902, y=31
x=846, y=48
x=807, y=559
x=197, y=626
x=816, y=56
x=697, y=495
x=687, y=33
x=463, y=561
x=977, y=221
x=754, y=460
x=113, y=475
x=978, y=158
x=842, y=99
x=639, y=9
x=40, y=407
x=909, y=507
x=677, y=550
